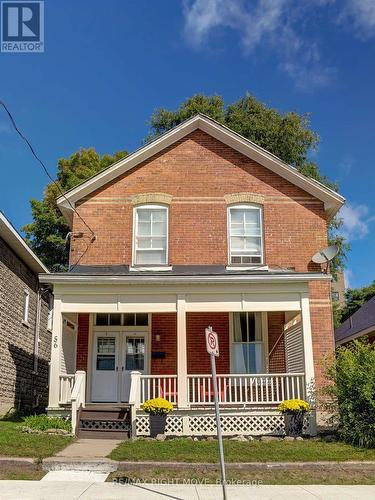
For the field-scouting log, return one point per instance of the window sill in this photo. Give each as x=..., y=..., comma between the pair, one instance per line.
x=255, y=267
x=150, y=268
x=26, y=323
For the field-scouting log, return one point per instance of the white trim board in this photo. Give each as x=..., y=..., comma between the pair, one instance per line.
x=332, y=200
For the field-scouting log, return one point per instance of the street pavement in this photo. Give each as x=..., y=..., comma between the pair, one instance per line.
x=74, y=490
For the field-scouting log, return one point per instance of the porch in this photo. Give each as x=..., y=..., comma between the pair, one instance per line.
x=100, y=356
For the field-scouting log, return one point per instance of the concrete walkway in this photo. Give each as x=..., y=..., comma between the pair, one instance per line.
x=37, y=490
x=89, y=448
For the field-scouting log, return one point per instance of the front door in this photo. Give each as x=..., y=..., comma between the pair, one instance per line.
x=133, y=358
x=105, y=373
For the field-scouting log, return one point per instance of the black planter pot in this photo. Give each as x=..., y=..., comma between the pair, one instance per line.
x=293, y=424
x=157, y=424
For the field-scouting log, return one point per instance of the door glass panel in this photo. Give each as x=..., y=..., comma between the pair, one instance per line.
x=102, y=319
x=129, y=319
x=135, y=354
x=142, y=319
x=106, y=353
x=115, y=319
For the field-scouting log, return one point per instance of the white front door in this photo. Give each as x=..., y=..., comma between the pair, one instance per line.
x=105, y=372
x=133, y=358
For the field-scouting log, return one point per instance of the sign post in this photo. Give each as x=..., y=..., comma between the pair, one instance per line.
x=212, y=345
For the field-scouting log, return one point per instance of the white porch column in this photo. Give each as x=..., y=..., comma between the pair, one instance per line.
x=54, y=372
x=308, y=348
x=182, y=391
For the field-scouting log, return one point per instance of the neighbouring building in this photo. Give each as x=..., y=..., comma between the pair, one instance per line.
x=359, y=324
x=339, y=289
x=25, y=324
x=200, y=227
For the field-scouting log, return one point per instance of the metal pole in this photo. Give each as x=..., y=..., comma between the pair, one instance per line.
x=218, y=425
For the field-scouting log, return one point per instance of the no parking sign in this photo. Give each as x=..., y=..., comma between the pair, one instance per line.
x=212, y=342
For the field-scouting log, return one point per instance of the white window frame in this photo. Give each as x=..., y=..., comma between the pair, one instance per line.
x=264, y=341
x=50, y=312
x=26, y=306
x=246, y=206
x=135, y=225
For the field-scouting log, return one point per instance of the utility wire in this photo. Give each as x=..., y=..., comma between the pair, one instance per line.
x=2, y=103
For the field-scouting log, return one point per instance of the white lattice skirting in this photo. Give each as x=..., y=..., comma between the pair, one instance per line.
x=235, y=423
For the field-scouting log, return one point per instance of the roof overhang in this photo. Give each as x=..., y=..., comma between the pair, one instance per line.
x=11, y=236
x=332, y=200
x=169, y=280
x=367, y=331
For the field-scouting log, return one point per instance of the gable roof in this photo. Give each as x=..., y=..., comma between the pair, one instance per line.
x=332, y=200
x=358, y=324
x=11, y=236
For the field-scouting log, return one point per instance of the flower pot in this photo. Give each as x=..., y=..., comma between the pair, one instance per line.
x=293, y=424
x=157, y=424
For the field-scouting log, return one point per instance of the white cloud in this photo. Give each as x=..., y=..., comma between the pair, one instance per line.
x=348, y=277
x=279, y=27
x=269, y=24
x=356, y=221
x=359, y=16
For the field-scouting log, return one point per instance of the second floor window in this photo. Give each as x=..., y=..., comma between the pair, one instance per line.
x=245, y=234
x=151, y=235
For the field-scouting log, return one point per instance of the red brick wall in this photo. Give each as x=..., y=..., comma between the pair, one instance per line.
x=165, y=325
x=82, y=341
x=197, y=358
x=276, y=322
x=198, y=172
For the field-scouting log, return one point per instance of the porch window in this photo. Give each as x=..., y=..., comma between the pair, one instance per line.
x=117, y=319
x=245, y=234
x=247, y=347
x=151, y=235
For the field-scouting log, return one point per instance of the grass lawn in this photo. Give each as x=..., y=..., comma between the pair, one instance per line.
x=208, y=476
x=15, y=443
x=186, y=450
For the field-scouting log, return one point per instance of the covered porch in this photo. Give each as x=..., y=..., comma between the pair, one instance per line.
x=125, y=343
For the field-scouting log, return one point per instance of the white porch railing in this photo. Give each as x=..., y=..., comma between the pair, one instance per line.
x=246, y=390
x=66, y=387
x=234, y=390
x=158, y=386
x=78, y=396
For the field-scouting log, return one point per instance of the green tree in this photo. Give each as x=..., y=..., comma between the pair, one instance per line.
x=46, y=235
x=286, y=135
x=355, y=298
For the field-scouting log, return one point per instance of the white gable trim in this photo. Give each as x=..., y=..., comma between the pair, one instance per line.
x=332, y=200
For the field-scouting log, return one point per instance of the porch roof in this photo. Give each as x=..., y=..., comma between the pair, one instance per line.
x=178, y=274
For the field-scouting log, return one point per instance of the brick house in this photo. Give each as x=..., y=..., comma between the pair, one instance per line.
x=200, y=227
x=25, y=342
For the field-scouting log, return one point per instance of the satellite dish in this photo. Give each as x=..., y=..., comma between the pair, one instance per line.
x=325, y=255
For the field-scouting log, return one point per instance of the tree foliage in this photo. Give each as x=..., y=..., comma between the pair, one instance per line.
x=46, y=235
x=351, y=374
x=355, y=298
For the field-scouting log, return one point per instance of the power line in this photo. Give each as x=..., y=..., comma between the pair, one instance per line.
x=25, y=139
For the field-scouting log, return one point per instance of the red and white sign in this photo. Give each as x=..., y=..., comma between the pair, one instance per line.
x=212, y=342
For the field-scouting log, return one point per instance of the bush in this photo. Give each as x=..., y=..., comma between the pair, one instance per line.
x=44, y=422
x=352, y=389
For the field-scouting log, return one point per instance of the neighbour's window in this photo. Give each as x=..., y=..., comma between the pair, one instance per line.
x=336, y=296
x=247, y=347
x=245, y=234
x=151, y=235
x=50, y=312
x=26, y=301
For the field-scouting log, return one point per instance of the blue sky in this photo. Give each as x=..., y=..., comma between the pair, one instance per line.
x=108, y=65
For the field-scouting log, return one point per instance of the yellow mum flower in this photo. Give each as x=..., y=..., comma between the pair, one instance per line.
x=157, y=406
x=294, y=406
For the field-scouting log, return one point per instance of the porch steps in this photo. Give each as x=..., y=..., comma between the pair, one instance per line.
x=106, y=422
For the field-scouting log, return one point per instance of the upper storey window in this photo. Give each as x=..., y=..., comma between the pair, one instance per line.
x=151, y=235
x=245, y=234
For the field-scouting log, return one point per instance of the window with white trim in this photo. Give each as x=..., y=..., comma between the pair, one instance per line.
x=50, y=312
x=151, y=235
x=245, y=234
x=26, y=303
x=248, y=345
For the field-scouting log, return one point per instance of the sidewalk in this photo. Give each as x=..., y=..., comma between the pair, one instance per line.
x=33, y=490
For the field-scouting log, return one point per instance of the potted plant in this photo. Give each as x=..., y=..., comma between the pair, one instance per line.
x=294, y=411
x=158, y=409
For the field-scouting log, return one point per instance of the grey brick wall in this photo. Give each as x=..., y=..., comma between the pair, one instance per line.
x=20, y=387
